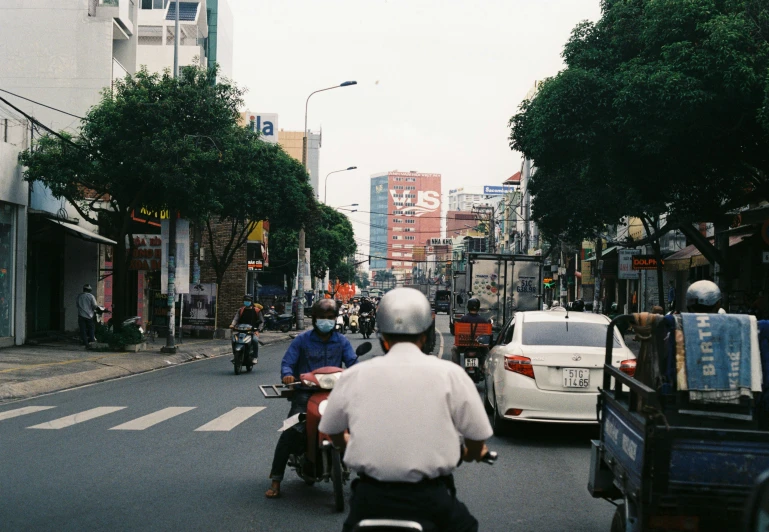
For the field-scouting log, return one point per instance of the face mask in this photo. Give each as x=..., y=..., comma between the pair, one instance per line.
x=247, y=303
x=325, y=326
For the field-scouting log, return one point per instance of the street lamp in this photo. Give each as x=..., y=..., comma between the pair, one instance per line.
x=300, y=273
x=325, y=181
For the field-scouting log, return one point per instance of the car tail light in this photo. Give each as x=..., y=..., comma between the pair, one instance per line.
x=519, y=364
x=628, y=367
x=513, y=412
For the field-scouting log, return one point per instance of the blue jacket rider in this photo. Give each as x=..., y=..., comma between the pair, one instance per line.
x=317, y=348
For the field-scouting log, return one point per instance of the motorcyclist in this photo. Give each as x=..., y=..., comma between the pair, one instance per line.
x=405, y=462
x=368, y=306
x=319, y=347
x=472, y=316
x=251, y=315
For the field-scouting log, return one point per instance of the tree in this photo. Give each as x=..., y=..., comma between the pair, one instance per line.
x=662, y=109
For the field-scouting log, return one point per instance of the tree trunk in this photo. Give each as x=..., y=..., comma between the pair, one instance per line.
x=658, y=257
x=119, y=281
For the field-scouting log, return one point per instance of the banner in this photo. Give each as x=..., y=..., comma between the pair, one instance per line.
x=182, y=282
x=147, y=252
x=199, y=309
x=645, y=262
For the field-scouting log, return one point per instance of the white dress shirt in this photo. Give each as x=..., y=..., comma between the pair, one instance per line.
x=406, y=412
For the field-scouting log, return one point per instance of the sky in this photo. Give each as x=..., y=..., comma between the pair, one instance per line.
x=438, y=81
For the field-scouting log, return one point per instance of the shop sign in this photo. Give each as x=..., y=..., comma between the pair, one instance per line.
x=255, y=266
x=199, y=310
x=645, y=262
x=147, y=252
x=626, y=270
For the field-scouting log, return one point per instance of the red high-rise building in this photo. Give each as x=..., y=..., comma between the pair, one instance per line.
x=405, y=213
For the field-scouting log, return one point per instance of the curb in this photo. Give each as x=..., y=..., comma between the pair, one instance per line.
x=17, y=391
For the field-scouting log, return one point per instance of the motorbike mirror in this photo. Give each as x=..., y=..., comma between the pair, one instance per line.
x=757, y=511
x=363, y=348
x=484, y=340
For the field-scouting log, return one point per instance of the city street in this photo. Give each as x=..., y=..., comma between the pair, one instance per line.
x=190, y=447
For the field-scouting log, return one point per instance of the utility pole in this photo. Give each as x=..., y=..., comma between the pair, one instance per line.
x=170, y=346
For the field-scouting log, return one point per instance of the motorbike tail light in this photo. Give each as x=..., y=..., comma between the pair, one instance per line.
x=628, y=367
x=520, y=365
x=513, y=412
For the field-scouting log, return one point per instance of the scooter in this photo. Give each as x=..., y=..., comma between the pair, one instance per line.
x=353, y=323
x=366, y=324
x=277, y=322
x=401, y=525
x=320, y=461
x=242, y=350
x=340, y=324
x=472, y=343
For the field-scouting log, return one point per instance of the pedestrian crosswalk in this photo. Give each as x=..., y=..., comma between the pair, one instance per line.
x=222, y=423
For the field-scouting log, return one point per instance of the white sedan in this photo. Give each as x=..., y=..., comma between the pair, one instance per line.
x=547, y=366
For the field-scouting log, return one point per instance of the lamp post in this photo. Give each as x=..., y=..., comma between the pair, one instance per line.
x=300, y=273
x=325, y=181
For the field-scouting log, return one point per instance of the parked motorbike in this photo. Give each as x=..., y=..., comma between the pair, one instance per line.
x=277, y=322
x=353, y=323
x=242, y=348
x=402, y=525
x=472, y=343
x=366, y=324
x=320, y=461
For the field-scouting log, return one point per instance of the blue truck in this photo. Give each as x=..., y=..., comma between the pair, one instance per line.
x=667, y=466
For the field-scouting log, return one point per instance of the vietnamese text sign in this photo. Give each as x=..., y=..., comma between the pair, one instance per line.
x=147, y=252
x=182, y=257
x=497, y=190
x=645, y=262
x=626, y=270
x=255, y=266
x=439, y=242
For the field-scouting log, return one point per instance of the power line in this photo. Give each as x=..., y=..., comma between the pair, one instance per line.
x=42, y=104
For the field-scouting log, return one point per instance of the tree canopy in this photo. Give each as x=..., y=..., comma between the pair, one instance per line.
x=160, y=142
x=662, y=107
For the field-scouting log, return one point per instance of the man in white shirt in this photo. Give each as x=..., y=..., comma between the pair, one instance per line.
x=405, y=413
x=86, y=308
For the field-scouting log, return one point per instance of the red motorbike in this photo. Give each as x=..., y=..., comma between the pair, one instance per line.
x=320, y=461
x=472, y=343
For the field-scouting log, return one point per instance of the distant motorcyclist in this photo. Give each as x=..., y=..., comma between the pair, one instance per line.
x=321, y=346
x=368, y=306
x=472, y=316
x=248, y=314
x=405, y=462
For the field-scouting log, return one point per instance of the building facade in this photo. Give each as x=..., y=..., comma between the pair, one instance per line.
x=405, y=213
x=463, y=199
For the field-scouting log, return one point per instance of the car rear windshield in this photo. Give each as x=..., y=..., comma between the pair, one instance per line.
x=443, y=295
x=566, y=333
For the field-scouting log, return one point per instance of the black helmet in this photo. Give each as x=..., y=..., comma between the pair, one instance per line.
x=248, y=297
x=473, y=304
x=87, y=288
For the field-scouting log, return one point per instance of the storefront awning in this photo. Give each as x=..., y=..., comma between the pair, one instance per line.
x=85, y=234
x=690, y=256
x=605, y=252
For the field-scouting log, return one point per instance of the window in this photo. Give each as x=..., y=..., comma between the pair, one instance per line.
x=566, y=333
x=396, y=237
x=397, y=212
x=409, y=238
x=411, y=221
x=398, y=229
x=408, y=263
x=396, y=254
x=396, y=263
x=397, y=245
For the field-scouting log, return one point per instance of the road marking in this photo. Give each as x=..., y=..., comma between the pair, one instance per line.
x=74, y=419
x=141, y=423
x=23, y=411
x=231, y=419
x=440, y=337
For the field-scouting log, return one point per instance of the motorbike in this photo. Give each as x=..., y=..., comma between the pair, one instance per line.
x=353, y=323
x=472, y=343
x=340, y=326
x=402, y=525
x=242, y=350
x=366, y=324
x=277, y=322
x=320, y=460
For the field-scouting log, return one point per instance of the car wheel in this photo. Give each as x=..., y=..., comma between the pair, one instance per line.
x=618, y=521
x=500, y=425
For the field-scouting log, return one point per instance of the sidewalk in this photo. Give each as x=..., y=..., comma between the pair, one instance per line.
x=32, y=370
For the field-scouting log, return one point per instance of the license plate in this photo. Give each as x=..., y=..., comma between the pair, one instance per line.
x=471, y=362
x=576, y=378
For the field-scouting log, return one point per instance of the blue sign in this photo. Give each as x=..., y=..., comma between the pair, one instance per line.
x=494, y=190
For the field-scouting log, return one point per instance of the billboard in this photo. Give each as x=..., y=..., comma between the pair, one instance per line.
x=264, y=123
x=497, y=190
x=182, y=281
x=199, y=307
x=626, y=270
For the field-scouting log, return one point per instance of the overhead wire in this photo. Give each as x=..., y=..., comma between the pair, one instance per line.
x=42, y=104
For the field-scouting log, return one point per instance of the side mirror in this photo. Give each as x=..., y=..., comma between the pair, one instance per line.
x=757, y=509
x=484, y=340
x=362, y=349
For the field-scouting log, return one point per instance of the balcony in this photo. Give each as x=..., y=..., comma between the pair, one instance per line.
x=122, y=12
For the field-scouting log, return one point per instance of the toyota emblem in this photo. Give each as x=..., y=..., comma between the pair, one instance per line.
x=576, y=358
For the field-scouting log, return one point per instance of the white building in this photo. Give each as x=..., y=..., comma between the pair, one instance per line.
x=463, y=199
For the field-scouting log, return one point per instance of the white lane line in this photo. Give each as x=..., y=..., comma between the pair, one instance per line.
x=74, y=419
x=23, y=411
x=231, y=419
x=440, y=337
x=141, y=423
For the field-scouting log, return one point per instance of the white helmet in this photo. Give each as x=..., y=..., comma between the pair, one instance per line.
x=705, y=293
x=404, y=311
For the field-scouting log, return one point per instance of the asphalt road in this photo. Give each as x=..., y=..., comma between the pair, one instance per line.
x=95, y=462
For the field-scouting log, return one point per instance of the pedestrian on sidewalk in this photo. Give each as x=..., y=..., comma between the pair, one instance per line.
x=86, y=309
